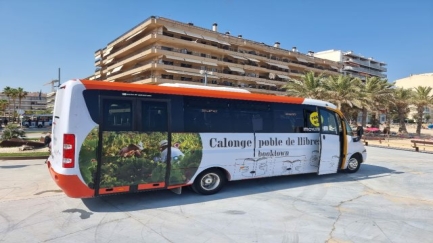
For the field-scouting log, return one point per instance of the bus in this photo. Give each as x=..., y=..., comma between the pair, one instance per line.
x=111, y=138
x=39, y=121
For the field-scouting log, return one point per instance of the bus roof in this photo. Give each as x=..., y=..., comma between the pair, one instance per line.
x=230, y=89
x=199, y=92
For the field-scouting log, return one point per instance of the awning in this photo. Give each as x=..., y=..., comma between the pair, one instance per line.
x=224, y=42
x=174, y=58
x=137, y=72
x=109, y=60
x=173, y=71
x=138, y=32
x=252, y=59
x=191, y=74
x=238, y=57
x=195, y=74
x=263, y=83
x=334, y=67
x=117, y=69
x=97, y=76
x=240, y=70
x=302, y=60
x=278, y=65
x=171, y=29
x=283, y=76
x=211, y=39
x=107, y=51
x=193, y=35
x=209, y=63
x=98, y=56
x=192, y=60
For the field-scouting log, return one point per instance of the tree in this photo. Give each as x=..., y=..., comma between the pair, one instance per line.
x=21, y=95
x=310, y=86
x=3, y=105
x=377, y=93
x=14, y=96
x=7, y=91
x=421, y=98
x=402, y=99
x=343, y=89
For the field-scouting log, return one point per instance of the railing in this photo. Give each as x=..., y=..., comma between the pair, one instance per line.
x=250, y=54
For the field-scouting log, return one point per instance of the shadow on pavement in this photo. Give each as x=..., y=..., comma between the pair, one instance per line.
x=166, y=198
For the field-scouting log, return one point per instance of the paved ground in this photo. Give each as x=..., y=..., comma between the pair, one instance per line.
x=389, y=200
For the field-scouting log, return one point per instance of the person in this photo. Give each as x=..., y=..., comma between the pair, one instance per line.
x=175, y=151
x=359, y=131
x=47, y=140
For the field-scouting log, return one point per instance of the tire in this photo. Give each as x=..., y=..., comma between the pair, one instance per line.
x=354, y=164
x=209, y=182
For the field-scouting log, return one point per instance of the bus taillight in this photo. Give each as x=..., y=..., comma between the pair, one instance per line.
x=68, y=151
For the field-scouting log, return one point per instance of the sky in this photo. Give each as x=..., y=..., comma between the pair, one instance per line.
x=37, y=37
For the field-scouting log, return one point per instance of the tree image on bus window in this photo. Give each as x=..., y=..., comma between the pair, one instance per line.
x=132, y=158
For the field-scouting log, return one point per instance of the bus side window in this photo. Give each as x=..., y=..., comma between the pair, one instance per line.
x=329, y=122
x=309, y=114
x=206, y=115
x=288, y=118
x=117, y=115
x=154, y=116
x=248, y=116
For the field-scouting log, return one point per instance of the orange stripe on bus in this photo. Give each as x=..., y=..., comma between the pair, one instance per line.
x=151, y=185
x=101, y=85
x=71, y=185
x=111, y=190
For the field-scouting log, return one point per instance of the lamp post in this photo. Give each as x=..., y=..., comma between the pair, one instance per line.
x=205, y=73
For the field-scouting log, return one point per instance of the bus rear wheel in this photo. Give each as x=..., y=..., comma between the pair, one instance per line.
x=209, y=182
x=354, y=164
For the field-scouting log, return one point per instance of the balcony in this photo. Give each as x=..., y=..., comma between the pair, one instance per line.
x=364, y=70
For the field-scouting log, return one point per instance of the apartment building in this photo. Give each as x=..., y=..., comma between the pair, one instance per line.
x=34, y=101
x=355, y=65
x=161, y=50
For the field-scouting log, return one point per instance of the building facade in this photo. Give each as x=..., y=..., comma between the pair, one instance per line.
x=160, y=50
x=355, y=65
x=32, y=102
x=414, y=81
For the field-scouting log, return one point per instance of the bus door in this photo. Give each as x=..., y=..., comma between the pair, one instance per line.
x=330, y=149
x=132, y=135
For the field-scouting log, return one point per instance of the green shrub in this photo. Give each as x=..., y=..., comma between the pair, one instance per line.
x=12, y=131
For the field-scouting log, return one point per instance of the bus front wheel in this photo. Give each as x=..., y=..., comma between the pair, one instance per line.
x=354, y=164
x=209, y=182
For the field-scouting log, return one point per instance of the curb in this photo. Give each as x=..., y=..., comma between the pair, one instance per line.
x=23, y=158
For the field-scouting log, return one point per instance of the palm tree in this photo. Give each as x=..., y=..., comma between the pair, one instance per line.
x=21, y=95
x=421, y=99
x=14, y=96
x=402, y=99
x=7, y=91
x=377, y=93
x=310, y=86
x=343, y=90
x=3, y=105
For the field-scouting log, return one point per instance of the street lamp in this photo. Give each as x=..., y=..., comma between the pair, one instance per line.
x=205, y=73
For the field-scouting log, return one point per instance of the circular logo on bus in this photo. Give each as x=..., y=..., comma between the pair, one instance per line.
x=314, y=119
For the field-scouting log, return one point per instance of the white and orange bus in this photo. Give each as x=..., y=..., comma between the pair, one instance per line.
x=110, y=138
